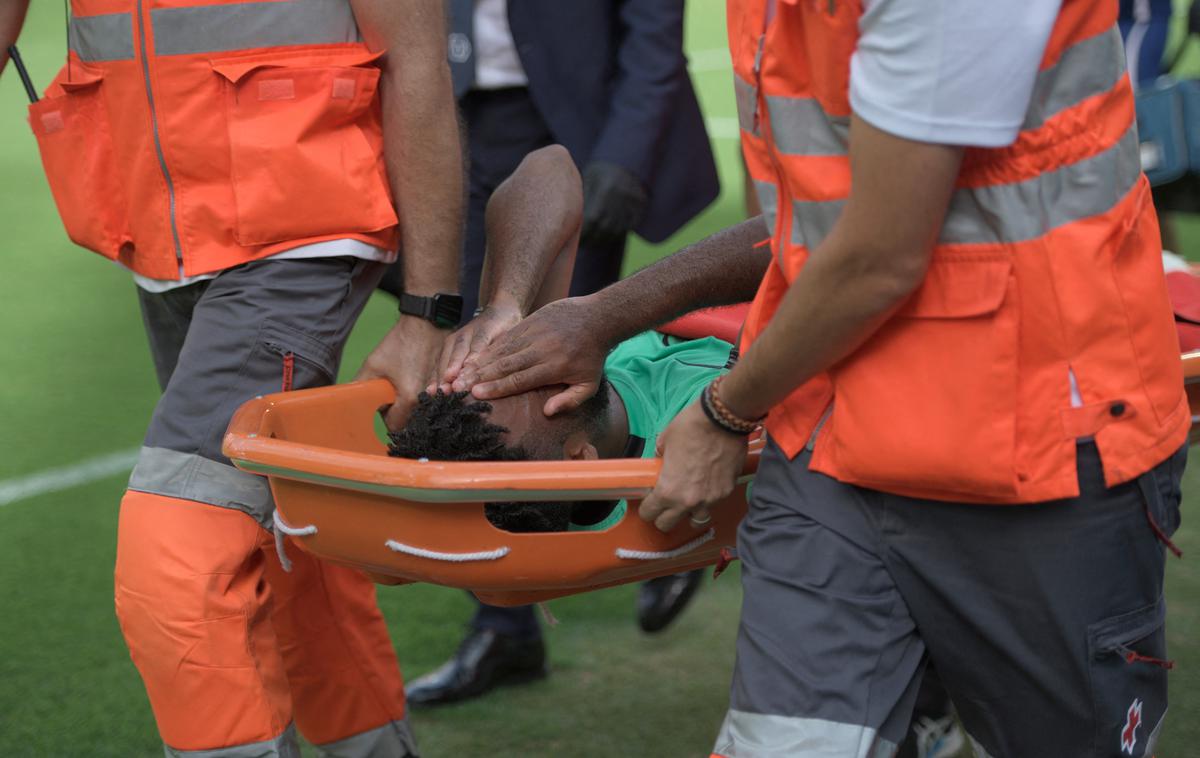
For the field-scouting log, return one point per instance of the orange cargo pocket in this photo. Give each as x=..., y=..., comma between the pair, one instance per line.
x=76, y=144
x=928, y=403
x=306, y=147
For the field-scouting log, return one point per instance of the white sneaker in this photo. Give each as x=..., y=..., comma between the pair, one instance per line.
x=939, y=738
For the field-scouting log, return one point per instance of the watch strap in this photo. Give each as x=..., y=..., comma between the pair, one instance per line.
x=416, y=305
x=443, y=310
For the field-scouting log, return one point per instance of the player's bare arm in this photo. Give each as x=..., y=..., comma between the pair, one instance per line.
x=532, y=226
x=566, y=342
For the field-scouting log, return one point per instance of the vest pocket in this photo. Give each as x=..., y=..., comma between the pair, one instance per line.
x=928, y=404
x=75, y=142
x=306, y=148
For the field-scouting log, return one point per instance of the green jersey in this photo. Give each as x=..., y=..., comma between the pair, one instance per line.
x=657, y=376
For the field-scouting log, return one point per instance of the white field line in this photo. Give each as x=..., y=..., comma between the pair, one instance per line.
x=710, y=59
x=65, y=477
x=722, y=127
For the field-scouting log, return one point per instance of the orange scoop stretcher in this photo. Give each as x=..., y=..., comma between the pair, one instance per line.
x=339, y=496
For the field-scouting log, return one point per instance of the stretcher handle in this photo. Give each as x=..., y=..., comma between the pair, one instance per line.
x=258, y=441
x=1191, y=367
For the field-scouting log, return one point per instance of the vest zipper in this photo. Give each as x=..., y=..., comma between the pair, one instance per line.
x=768, y=135
x=162, y=160
x=758, y=56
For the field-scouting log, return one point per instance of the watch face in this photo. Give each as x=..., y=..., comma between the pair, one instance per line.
x=447, y=310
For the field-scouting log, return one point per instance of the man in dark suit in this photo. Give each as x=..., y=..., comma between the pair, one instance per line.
x=608, y=80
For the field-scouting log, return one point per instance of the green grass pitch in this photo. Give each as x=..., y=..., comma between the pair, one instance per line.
x=78, y=383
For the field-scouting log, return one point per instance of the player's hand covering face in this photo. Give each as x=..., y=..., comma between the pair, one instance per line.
x=471, y=340
x=557, y=345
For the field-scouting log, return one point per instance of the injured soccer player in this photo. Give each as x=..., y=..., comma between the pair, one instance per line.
x=532, y=226
x=647, y=380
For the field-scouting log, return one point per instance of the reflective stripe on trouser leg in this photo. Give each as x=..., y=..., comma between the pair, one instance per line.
x=192, y=477
x=283, y=746
x=193, y=604
x=347, y=693
x=393, y=740
x=757, y=735
x=828, y=659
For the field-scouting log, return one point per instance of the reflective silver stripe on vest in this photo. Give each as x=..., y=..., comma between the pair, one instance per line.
x=800, y=126
x=1029, y=209
x=1011, y=213
x=101, y=38
x=239, y=26
x=768, y=200
x=813, y=220
x=743, y=91
x=1085, y=69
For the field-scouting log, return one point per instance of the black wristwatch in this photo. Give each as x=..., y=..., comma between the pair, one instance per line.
x=445, y=311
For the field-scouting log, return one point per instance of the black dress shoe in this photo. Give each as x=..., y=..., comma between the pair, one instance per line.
x=663, y=598
x=485, y=659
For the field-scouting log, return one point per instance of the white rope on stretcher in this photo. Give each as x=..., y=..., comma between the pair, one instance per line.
x=652, y=555
x=420, y=552
x=282, y=528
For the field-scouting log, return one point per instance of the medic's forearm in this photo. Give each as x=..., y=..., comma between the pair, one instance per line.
x=875, y=256
x=12, y=18
x=424, y=160
x=532, y=224
x=721, y=269
x=420, y=133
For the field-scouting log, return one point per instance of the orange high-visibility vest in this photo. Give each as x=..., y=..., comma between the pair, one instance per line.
x=1048, y=263
x=187, y=137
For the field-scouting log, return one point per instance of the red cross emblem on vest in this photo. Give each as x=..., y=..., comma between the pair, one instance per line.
x=1133, y=719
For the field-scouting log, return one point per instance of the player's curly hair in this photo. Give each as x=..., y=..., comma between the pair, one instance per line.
x=448, y=427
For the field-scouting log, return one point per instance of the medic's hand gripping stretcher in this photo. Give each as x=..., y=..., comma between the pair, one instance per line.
x=340, y=497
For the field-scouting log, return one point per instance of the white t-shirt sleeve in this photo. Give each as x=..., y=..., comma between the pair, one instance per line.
x=956, y=72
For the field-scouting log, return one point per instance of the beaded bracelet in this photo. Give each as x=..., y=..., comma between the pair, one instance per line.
x=720, y=405
x=720, y=415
